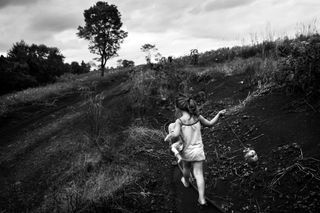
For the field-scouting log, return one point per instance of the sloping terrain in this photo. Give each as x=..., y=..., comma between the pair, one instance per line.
x=283, y=130
x=40, y=145
x=42, y=151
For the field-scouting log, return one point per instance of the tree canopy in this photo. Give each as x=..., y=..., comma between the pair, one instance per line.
x=33, y=65
x=148, y=49
x=127, y=63
x=103, y=29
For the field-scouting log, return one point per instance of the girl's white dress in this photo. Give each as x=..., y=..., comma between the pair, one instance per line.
x=192, y=142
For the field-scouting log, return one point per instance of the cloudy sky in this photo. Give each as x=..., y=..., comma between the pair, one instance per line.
x=174, y=26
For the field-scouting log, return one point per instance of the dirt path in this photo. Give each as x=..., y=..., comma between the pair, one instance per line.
x=186, y=198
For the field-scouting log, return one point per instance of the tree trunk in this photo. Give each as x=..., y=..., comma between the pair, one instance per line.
x=102, y=68
x=102, y=71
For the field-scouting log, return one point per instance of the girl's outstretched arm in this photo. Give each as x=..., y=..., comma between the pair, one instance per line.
x=206, y=122
x=175, y=132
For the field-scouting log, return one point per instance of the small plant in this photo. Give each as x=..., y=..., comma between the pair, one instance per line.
x=148, y=49
x=194, y=54
x=144, y=86
x=97, y=120
x=95, y=117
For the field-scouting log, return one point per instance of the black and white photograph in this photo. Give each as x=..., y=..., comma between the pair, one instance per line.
x=159, y=106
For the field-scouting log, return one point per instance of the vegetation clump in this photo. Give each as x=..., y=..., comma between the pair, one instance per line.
x=33, y=66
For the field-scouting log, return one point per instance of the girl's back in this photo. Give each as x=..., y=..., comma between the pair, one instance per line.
x=191, y=132
x=192, y=140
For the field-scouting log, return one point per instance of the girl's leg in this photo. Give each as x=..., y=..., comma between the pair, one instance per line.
x=186, y=173
x=198, y=174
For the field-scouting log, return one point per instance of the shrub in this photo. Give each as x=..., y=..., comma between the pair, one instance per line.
x=299, y=69
x=145, y=89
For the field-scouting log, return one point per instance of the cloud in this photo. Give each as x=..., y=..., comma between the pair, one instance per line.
x=226, y=4
x=41, y=22
x=195, y=10
x=152, y=16
x=6, y=3
x=53, y=23
x=174, y=26
x=3, y=46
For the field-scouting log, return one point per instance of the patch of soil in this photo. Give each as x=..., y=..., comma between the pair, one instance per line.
x=284, y=123
x=286, y=140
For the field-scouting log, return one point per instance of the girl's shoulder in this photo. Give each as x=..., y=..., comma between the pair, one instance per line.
x=188, y=122
x=182, y=120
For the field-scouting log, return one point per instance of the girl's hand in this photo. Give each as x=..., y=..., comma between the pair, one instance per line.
x=222, y=112
x=179, y=158
x=168, y=138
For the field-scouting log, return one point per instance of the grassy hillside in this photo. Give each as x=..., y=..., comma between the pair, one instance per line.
x=68, y=83
x=92, y=144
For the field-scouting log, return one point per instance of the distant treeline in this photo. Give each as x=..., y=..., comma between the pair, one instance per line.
x=298, y=60
x=34, y=65
x=278, y=48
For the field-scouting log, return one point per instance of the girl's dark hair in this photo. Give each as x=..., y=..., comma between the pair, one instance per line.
x=187, y=104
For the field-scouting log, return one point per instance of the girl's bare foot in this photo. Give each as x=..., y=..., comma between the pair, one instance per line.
x=184, y=182
x=202, y=203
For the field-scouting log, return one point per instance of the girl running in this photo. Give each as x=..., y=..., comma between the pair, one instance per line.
x=188, y=126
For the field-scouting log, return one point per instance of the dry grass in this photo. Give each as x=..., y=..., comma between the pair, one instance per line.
x=88, y=189
x=32, y=138
x=64, y=85
x=236, y=66
x=106, y=181
x=94, y=114
x=34, y=94
x=142, y=83
x=251, y=96
x=144, y=135
x=87, y=180
x=256, y=68
x=143, y=140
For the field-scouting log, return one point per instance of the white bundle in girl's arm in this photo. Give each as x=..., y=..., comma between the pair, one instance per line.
x=176, y=147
